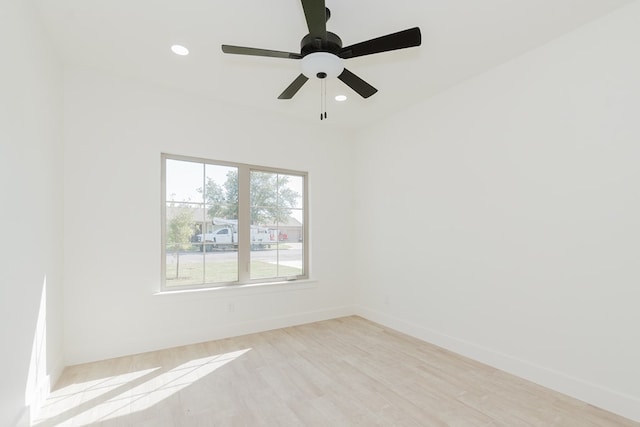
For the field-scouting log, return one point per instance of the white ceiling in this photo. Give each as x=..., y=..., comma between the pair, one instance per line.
x=460, y=39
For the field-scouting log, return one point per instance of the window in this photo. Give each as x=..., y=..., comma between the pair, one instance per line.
x=228, y=223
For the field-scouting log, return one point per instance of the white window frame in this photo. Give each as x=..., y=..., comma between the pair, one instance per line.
x=244, y=222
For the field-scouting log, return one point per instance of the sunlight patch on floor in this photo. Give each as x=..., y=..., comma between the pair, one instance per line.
x=98, y=400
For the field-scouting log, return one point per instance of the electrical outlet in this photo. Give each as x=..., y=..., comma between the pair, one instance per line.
x=232, y=307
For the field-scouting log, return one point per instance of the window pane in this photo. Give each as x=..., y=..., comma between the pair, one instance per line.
x=183, y=261
x=209, y=254
x=221, y=265
x=276, y=209
x=221, y=191
x=221, y=217
x=291, y=190
x=184, y=181
x=263, y=191
x=292, y=253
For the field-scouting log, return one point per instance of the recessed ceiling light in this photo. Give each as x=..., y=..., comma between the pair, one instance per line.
x=179, y=50
x=341, y=98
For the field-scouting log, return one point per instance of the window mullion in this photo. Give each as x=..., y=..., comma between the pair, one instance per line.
x=163, y=221
x=244, y=223
x=203, y=227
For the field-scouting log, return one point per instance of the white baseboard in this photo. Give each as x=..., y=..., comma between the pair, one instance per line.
x=226, y=330
x=262, y=325
x=602, y=397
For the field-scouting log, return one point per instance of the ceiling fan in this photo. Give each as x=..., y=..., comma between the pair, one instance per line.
x=322, y=54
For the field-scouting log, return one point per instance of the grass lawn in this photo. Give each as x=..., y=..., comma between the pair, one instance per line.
x=192, y=273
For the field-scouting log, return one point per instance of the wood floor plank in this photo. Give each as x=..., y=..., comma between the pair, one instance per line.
x=341, y=372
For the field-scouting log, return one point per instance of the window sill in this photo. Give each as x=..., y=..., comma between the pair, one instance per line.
x=242, y=290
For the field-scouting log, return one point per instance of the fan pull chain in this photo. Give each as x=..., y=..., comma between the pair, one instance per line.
x=321, y=103
x=324, y=84
x=323, y=99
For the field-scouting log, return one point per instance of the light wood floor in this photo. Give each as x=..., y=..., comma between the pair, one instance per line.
x=343, y=372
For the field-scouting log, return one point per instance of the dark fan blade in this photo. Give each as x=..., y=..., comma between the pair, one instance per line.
x=241, y=50
x=399, y=40
x=294, y=87
x=315, y=12
x=356, y=83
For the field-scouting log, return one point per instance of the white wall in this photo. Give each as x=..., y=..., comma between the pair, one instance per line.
x=30, y=213
x=115, y=131
x=512, y=202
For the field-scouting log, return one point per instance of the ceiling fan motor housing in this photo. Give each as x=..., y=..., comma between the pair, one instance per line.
x=310, y=44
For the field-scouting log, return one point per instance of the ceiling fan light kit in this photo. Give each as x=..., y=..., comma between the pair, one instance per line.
x=321, y=65
x=322, y=55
